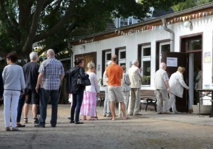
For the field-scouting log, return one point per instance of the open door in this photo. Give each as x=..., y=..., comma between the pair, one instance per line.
x=173, y=60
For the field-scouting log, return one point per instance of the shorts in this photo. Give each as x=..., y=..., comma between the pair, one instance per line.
x=32, y=96
x=115, y=93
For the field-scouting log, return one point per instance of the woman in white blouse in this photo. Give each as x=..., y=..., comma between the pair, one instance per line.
x=88, y=107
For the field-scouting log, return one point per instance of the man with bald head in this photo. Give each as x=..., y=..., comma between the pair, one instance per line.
x=114, y=74
x=162, y=89
x=51, y=73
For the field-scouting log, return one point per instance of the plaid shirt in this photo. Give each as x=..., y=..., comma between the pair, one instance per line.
x=52, y=69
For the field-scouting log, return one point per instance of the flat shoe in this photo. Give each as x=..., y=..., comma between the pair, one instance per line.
x=78, y=122
x=20, y=125
x=15, y=129
x=7, y=129
x=72, y=122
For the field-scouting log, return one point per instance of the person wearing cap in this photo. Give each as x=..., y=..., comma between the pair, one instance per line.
x=106, y=110
x=135, y=80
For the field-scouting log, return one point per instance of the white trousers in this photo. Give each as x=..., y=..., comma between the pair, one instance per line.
x=134, y=103
x=11, y=99
x=172, y=103
x=126, y=102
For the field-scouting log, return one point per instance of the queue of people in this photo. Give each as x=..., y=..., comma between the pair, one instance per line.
x=37, y=84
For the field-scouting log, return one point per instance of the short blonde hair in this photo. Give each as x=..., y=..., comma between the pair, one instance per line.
x=181, y=69
x=90, y=65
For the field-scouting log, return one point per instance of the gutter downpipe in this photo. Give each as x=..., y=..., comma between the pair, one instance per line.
x=172, y=35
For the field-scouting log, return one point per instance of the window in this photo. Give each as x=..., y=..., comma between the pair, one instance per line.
x=164, y=47
x=121, y=54
x=195, y=45
x=107, y=57
x=146, y=64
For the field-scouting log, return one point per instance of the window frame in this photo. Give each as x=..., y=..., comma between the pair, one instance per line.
x=146, y=59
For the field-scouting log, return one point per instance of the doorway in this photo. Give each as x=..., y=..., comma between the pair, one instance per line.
x=192, y=45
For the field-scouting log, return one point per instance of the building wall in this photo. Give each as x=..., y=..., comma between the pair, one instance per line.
x=131, y=42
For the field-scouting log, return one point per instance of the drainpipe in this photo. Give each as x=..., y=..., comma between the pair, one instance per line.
x=172, y=35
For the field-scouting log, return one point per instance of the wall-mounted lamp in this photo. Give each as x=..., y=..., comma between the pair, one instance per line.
x=188, y=24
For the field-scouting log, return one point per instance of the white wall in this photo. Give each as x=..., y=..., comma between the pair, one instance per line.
x=202, y=25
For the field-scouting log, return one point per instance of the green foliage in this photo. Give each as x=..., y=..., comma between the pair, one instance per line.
x=189, y=4
x=51, y=23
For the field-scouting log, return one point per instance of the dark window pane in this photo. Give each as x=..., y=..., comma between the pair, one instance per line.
x=108, y=56
x=122, y=55
x=165, y=48
x=146, y=51
x=146, y=72
x=195, y=44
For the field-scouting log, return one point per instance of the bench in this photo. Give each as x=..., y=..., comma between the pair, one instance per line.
x=149, y=97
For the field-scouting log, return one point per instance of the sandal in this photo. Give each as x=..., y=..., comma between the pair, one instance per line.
x=25, y=120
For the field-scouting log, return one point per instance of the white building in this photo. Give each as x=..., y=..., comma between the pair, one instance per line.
x=186, y=42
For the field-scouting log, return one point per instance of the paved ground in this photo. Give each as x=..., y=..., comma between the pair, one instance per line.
x=150, y=131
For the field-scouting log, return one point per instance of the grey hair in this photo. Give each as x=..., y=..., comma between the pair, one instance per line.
x=134, y=62
x=51, y=52
x=90, y=65
x=33, y=55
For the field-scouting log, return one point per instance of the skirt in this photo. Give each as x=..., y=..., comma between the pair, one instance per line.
x=88, y=107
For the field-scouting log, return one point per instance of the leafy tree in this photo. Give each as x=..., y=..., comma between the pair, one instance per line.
x=52, y=23
x=189, y=3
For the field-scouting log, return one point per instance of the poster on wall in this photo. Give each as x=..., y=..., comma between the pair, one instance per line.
x=207, y=57
x=172, y=62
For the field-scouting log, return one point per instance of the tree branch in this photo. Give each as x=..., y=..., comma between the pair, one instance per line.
x=59, y=25
x=34, y=25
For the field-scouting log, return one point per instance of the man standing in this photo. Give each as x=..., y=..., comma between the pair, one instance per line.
x=162, y=89
x=106, y=111
x=31, y=76
x=51, y=73
x=135, y=79
x=114, y=74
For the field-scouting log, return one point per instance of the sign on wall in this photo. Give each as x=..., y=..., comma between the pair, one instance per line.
x=171, y=62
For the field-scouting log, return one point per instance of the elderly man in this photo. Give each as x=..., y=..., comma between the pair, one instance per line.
x=106, y=110
x=31, y=76
x=114, y=74
x=51, y=73
x=162, y=89
x=135, y=80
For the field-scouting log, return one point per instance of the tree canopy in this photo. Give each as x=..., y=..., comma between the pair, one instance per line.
x=189, y=3
x=52, y=22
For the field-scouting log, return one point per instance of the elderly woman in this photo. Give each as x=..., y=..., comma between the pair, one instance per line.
x=75, y=89
x=14, y=83
x=125, y=82
x=88, y=107
x=177, y=85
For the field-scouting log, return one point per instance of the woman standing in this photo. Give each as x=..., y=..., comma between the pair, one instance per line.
x=88, y=107
x=177, y=85
x=76, y=90
x=125, y=82
x=14, y=83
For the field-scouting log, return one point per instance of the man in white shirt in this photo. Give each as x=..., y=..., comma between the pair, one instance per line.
x=135, y=79
x=162, y=89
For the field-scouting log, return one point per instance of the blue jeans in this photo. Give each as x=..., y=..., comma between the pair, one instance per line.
x=76, y=105
x=45, y=95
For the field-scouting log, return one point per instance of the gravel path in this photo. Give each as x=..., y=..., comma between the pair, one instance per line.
x=145, y=132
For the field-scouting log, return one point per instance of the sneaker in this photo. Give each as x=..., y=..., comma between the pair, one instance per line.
x=35, y=121
x=15, y=129
x=7, y=129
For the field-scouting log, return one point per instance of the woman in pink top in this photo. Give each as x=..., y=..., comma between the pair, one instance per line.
x=88, y=107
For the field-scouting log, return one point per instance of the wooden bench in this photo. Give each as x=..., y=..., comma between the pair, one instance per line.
x=149, y=97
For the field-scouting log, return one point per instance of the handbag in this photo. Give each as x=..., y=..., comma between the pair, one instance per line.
x=81, y=81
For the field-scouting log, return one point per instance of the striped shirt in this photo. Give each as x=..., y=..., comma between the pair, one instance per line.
x=52, y=69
